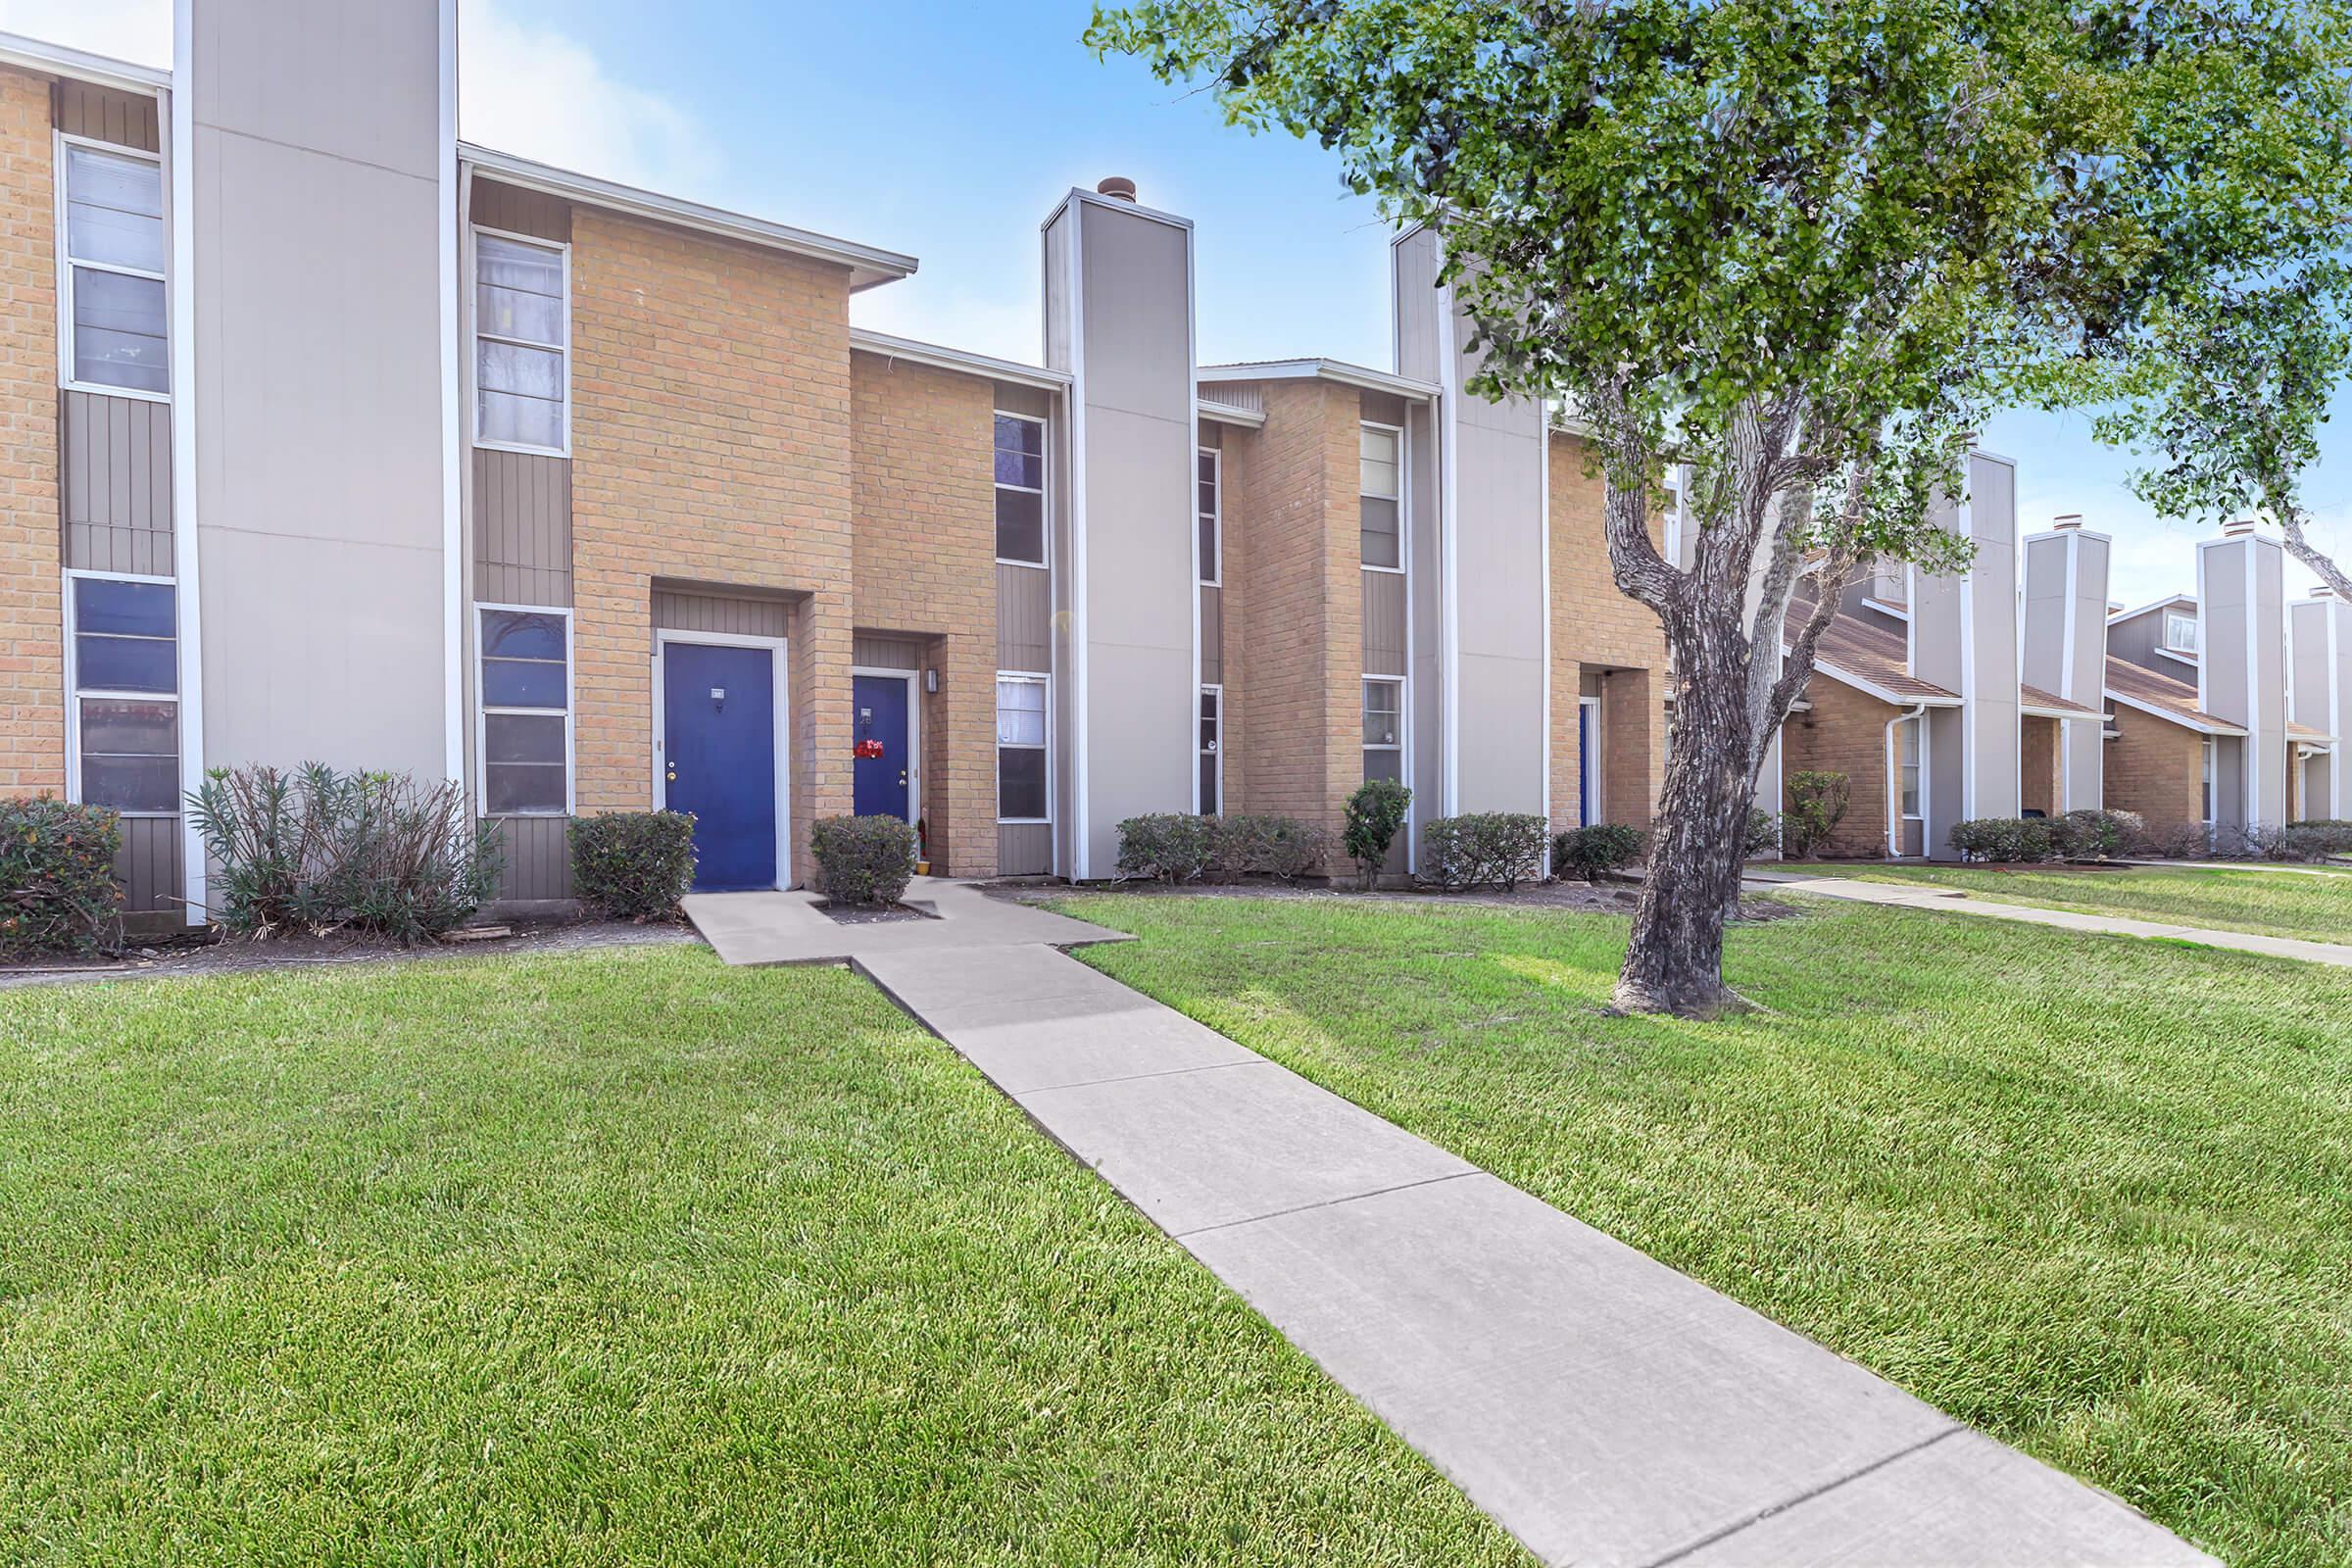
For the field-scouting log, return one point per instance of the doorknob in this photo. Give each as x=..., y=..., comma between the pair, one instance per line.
x=672, y=775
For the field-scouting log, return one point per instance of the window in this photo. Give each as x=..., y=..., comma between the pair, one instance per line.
x=1384, y=729
x=1212, y=561
x=114, y=312
x=2181, y=632
x=1909, y=765
x=1212, y=749
x=522, y=338
x=126, y=695
x=2209, y=759
x=1021, y=749
x=526, y=712
x=1020, y=490
x=1379, y=482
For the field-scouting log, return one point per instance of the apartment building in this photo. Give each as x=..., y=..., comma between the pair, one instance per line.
x=600, y=503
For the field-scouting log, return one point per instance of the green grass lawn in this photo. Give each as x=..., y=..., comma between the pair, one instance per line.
x=2093, y=1194
x=616, y=1258
x=2279, y=904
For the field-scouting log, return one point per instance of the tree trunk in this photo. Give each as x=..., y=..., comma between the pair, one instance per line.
x=1700, y=845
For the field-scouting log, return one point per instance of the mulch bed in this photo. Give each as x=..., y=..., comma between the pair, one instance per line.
x=201, y=955
x=874, y=914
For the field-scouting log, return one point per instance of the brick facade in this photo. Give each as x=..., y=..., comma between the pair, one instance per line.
x=923, y=547
x=711, y=440
x=2040, y=746
x=2156, y=768
x=1846, y=732
x=32, y=708
x=1598, y=631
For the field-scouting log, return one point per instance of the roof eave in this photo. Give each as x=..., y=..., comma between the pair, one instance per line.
x=2202, y=727
x=100, y=70
x=1363, y=377
x=868, y=265
x=942, y=358
x=1231, y=414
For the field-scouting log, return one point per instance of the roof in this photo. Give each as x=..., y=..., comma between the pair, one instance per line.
x=946, y=358
x=1355, y=375
x=2039, y=703
x=1871, y=661
x=56, y=59
x=1231, y=414
x=868, y=265
x=2304, y=732
x=2190, y=600
x=2175, y=700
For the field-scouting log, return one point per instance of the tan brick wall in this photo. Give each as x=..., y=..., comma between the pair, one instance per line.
x=2156, y=768
x=1595, y=627
x=710, y=419
x=924, y=547
x=1844, y=733
x=2038, y=764
x=33, y=711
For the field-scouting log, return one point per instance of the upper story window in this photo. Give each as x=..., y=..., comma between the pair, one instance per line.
x=1381, y=485
x=1207, y=504
x=522, y=344
x=526, y=712
x=125, y=643
x=1020, y=490
x=114, y=311
x=2181, y=632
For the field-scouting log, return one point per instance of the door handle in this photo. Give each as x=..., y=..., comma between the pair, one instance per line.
x=671, y=775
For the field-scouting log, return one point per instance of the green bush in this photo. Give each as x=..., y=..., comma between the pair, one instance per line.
x=318, y=850
x=1375, y=814
x=1817, y=804
x=2299, y=840
x=2004, y=839
x=863, y=859
x=1171, y=846
x=1279, y=847
x=1483, y=849
x=632, y=865
x=2093, y=835
x=1594, y=851
x=1763, y=831
x=58, y=892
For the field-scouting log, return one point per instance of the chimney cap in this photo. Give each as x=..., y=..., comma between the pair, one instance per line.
x=2240, y=529
x=1119, y=187
x=2323, y=591
x=2067, y=520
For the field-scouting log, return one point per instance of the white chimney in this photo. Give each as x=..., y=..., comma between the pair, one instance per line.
x=2066, y=646
x=2241, y=671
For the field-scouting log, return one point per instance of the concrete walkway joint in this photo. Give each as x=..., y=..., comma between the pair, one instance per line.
x=1601, y=1406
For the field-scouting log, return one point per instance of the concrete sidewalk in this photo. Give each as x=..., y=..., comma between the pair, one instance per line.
x=1602, y=1407
x=1948, y=900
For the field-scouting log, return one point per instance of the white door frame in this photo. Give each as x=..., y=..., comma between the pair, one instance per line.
x=914, y=732
x=780, y=649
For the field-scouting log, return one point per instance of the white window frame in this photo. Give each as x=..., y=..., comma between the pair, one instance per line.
x=482, y=712
x=1911, y=768
x=2210, y=767
x=1043, y=491
x=1404, y=486
x=474, y=318
x=1403, y=734
x=1042, y=680
x=1216, y=748
x=74, y=694
x=64, y=277
x=1212, y=572
x=2189, y=619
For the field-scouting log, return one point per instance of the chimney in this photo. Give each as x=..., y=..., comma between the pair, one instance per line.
x=2242, y=529
x=2241, y=671
x=2065, y=648
x=1119, y=187
x=2320, y=695
x=1964, y=637
x=2070, y=519
x=2323, y=591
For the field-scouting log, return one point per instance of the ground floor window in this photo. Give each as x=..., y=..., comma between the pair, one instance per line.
x=2207, y=770
x=1384, y=729
x=525, y=702
x=124, y=633
x=1907, y=765
x=1212, y=749
x=1021, y=747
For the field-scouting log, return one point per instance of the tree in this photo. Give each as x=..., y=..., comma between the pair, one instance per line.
x=2227, y=394
x=1803, y=245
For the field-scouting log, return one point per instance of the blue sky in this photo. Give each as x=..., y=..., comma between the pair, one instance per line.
x=950, y=129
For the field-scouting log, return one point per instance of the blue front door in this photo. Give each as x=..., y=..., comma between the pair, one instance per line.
x=718, y=755
x=882, y=757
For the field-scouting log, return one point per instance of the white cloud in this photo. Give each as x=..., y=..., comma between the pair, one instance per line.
x=525, y=89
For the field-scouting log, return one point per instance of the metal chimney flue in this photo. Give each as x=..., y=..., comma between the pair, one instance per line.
x=1119, y=187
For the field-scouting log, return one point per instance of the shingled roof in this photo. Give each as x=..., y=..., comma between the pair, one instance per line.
x=1869, y=660
x=2175, y=700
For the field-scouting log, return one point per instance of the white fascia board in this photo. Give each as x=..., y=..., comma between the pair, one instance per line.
x=942, y=358
x=2201, y=726
x=2121, y=615
x=1356, y=375
x=1868, y=688
x=100, y=70
x=2068, y=715
x=1231, y=414
x=868, y=265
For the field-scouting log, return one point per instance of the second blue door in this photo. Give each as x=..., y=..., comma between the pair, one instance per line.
x=718, y=707
x=883, y=763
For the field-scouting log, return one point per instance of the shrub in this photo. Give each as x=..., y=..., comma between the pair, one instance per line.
x=58, y=892
x=1763, y=831
x=1817, y=804
x=2299, y=840
x=632, y=865
x=1279, y=847
x=1483, y=849
x=2004, y=839
x=1167, y=846
x=2171, y=841
x=1375, y=814
x=318, y=850
x=2093, y=835
x=1594, y=851
x=863, y=859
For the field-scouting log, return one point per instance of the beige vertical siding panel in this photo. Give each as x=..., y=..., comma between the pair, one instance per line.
x=1212, y=635
x=1013, y=398
x=523, y=528
x=125, y=118
x=1025, y=849
x=729, y=614
x=522, y=212
x=148, y=864
x=886, y=652
x=1384, y=623
x=1024, y=618
x=538, y=858
x=116, y=491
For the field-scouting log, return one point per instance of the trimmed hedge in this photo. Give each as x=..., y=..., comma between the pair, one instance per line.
x=1374, y=815
x=863, y=859
x=2076, y=836
x=58, y=892
x=1279, y=847
x=2003, y=839
x=1594, y=851
x=632, y=865
x=1483, y=849
x=1171, y=846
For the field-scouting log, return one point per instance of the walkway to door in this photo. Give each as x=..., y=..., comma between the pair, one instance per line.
x=1601, y=1406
